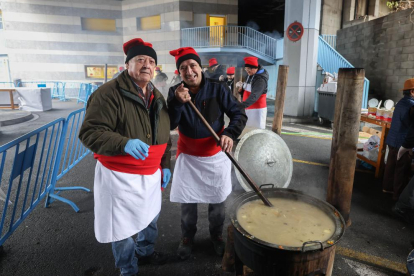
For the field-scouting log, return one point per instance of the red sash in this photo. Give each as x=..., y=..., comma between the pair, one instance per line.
x=260, y=103
x=128, y=164
x=202, y=147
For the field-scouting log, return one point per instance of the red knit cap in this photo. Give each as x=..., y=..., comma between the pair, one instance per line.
x=157, y=68
x=176, y=72
x=182, y=54
x=136, y=47
x=212, y=62
x=230, y=71
x=251, y=62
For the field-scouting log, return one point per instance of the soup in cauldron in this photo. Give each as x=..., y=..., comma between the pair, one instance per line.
x=288, y=223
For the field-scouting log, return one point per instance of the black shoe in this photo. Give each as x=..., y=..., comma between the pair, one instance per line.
x=218, y=244
x=156, y=258
x=185, y=248
x=405, y=215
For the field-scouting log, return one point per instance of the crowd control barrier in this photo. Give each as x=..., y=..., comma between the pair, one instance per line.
x=31, y=165
x=71, y=151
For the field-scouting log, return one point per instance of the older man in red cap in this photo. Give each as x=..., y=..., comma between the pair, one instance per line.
x=215, y=70
x=254, y=93
x=126, y=125
x=202, y=172
x=229, y=79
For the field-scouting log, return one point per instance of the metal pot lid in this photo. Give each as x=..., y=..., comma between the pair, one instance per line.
x=265, y=157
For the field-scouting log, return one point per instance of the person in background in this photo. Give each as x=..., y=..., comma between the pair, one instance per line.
x=121, y=69
x=215, y=70
x=202, y=172
x=229, y=79
x=254, y=93
x=127, y=125
x=176, y=78
x=160, y=82
x=397, y=170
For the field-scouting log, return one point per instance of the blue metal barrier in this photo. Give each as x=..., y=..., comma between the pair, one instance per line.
x=330, y=60
x=71, y=152
x=26, y=173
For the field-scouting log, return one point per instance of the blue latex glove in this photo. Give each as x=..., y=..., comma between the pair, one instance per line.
x=166, y=177
x=137, y=149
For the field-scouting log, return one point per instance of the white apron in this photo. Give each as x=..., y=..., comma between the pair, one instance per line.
x=256, y=117
x=124, y=203
x=201, y=179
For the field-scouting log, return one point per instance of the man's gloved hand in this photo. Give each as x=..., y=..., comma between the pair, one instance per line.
x=239, y=84
x=137, y=149
x=166, y=177
x=402, y=151
x=221, y=78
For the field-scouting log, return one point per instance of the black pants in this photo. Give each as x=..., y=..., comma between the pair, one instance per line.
x=397, y=172
x=216, y=215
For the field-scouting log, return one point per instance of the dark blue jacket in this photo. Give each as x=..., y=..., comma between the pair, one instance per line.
x=400, y=122
x=213, y=100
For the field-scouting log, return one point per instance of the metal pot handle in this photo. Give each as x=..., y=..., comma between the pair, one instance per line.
x=310, y=242
x=263, y=185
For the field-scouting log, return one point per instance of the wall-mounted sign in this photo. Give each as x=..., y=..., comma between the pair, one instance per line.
x=97, y=71
x=295, y=31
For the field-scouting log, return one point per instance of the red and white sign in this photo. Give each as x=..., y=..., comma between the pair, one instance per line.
x=295, y=31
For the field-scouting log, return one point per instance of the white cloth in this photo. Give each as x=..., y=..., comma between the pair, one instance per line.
x=201, y=179
x=33, y=99
x=256, y=118
x=124, y=203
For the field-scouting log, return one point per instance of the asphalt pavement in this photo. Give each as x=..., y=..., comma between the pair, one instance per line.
x=58, y=241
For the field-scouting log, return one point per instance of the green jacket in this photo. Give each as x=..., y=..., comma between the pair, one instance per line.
x=115, y=114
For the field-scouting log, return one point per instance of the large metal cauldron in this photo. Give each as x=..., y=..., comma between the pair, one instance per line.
x=313, y=258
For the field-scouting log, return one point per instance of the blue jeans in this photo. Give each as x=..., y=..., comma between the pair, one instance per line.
x=124, y=251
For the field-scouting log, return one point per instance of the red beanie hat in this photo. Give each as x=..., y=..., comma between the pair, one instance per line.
x=136, y=47
x=182, y=54
x=176, y=72
x=230, y=71
x=157, y=68
x=212, y=62
x=251, y=62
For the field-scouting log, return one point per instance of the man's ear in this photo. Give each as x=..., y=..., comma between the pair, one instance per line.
x=127, y=65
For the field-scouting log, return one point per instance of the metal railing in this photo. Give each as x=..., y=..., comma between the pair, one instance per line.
x=31, y=165
x=26, y=168
x=6, y=84
x=330, y=39
x=230, y=36
x=330, y=61
x=71, y=151
x=63, y=91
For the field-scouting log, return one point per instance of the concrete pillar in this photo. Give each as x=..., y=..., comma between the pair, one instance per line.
x=348, y=10
x=301, y=56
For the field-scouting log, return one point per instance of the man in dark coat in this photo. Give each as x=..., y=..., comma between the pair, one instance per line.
x=202, y=172
x=398, y=170
x=215, y=70
x=126, y=125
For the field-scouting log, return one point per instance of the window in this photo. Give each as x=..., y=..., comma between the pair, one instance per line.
x=149, y=23
x=98, y=24
x=1, y=21
x=97, y=71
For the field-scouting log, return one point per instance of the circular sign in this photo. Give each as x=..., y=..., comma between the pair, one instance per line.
x=295, y=31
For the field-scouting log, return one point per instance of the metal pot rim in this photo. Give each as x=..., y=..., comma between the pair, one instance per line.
x=326, y=207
